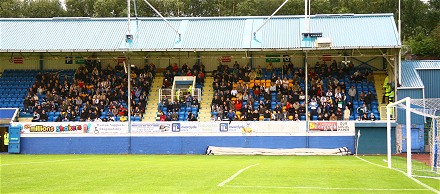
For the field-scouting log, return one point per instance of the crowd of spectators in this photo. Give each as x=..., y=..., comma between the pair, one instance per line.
x=185, y=105
x=94, y=93
x=173, y=70
x=278, y=94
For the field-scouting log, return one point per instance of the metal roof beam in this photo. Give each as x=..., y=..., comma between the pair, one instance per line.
x=164, y=19
x=264, y=23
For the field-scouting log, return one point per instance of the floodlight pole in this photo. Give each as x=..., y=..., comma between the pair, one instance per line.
x=399, y=25
x=306, y=14
x=128, y=15
x=306, y=104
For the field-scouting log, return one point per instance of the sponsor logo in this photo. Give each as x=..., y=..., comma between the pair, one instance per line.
x=56, y=128
x=224, y=127
x=343, y=126
x=175, y=127
x=323, y=126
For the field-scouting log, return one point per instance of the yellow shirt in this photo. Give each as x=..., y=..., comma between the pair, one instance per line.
x=6, y=139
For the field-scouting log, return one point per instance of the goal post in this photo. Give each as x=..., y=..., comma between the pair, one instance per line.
x=407, y=102
x=420, y=164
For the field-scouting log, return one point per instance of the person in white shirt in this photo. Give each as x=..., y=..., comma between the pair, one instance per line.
x=347, y=113
x=234, y=92
x=352, y=92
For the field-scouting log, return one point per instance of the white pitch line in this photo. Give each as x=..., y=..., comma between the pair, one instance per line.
x=412, y=178
x=42, y=162
x=235, y=175
x=325, y=188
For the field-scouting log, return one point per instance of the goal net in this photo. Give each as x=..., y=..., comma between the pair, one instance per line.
x=424, y=163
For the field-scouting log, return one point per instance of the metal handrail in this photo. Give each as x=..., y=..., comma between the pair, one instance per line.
x=171, y=93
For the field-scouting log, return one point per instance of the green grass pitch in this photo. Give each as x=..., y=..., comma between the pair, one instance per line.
x=202, y=174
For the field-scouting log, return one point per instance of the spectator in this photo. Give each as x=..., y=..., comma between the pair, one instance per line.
x=123, y=118
x=162, y=117
x=231, y=116
x=191, y=116
x=36, y=117
x=347, y=113
x=372, y=117
x=267, y=115
x=43, y=116
x=362, y=110
x=352, y=93
x=333, y=117
x=365, y=117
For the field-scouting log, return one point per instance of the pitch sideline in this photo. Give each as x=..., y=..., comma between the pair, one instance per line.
x=324, y=188
x=235, y=175
x=42, y=162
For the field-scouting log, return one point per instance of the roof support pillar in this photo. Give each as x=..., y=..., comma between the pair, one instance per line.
x=198, y=59
x=250, y=60
x=41, y=62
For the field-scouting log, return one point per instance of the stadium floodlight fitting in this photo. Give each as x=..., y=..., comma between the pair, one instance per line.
x=312, y=34
x=128, y=37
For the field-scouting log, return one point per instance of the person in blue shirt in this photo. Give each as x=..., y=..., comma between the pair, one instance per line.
x=231, y=115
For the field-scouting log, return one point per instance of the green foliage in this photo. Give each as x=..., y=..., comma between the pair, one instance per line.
x=425, y=45
x=80, y=8
x=11, y=8
x=110, y=8
x=43, y=8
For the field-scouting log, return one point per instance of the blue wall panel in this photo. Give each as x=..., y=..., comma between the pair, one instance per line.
x=74, y=145
x=332, y=142
x=198, y=145
x=414, y=94
x=431, y=81
x=172, y=144
x=374, y=140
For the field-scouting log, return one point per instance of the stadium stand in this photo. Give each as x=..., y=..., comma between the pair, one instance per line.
x=336, y=92
x=186, y=106
x=91, y=93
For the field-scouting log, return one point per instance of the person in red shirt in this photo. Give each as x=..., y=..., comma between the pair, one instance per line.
x=163, y=117
x=238, y=105
x=175, y=68
x=121, y=110
x=81, y=84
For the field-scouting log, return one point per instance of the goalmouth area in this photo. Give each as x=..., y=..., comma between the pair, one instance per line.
x=203, y=174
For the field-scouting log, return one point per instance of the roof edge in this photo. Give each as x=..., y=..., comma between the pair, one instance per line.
x=196, y=18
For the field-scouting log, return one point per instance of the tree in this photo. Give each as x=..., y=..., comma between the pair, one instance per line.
x=80, y=8
x=11, y=9
x=257, y=7
x=423, y=45
x=110, y=8
x=43, y=9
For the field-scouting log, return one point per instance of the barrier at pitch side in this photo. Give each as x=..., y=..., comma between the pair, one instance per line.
x=147, y=128
x=178, y=137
